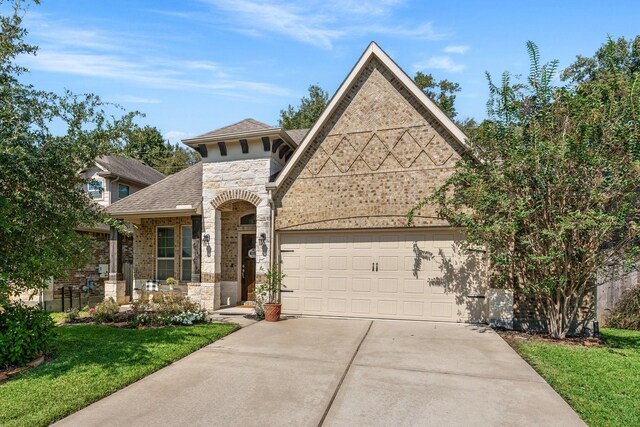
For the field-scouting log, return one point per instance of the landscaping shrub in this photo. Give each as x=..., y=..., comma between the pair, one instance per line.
x=106, y=311
x=626, y=313
x=24, y=333
x=166, y=309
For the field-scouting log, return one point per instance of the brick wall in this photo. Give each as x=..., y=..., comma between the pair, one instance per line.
x=379, y=154
x=144, y=246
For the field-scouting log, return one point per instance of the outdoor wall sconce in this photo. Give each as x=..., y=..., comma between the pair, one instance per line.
x=206, y=238
x=262, y=239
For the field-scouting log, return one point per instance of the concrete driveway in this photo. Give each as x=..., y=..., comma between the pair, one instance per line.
x=311, y=372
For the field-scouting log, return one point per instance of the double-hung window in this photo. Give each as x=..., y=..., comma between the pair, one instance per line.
x=94, y=187
x=187, y=253
x=165, y=253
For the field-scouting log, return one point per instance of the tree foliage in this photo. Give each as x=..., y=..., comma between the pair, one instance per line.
x=149, y=146
x=309, y=110
x=42, y=200
x=550, y=184
x=442, y=92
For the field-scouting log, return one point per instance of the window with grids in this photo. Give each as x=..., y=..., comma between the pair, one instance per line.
x=187, y=252
x=165, y=253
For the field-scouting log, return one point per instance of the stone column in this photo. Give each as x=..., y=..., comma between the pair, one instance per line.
x=207, y=290
x=115, y=287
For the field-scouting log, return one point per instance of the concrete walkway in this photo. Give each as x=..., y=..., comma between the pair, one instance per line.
x=310, y=372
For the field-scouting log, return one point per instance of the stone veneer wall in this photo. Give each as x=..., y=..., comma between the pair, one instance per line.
x=144, y=246
x=379, y=154
x=250, y=175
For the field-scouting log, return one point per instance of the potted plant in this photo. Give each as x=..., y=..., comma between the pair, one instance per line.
x=269, y=293
x=171, y=281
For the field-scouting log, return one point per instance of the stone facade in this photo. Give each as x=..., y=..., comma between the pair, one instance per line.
x=224, y=182
x=378, y=155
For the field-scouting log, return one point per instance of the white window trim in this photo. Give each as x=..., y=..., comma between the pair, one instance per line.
x=102, y=188
x=185, y=258
x=157, y=258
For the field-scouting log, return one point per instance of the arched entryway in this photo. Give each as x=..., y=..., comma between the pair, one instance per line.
x=237, y=252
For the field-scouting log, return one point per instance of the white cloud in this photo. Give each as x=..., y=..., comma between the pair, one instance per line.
x=76, y=51
x=440, y=63
x=459, y=49
x=176, y=136
x=320, y=23
x=135, y=99
x=288, y=20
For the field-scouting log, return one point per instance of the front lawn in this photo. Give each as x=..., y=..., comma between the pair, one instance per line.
x=602, y=384
x=90, y=362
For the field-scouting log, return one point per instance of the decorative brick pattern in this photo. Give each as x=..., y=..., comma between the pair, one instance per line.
x=378, y=155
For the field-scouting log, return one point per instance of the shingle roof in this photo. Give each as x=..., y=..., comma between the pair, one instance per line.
x=297, y=134
x=130, y=169
x=246, y=125
x=180, y=189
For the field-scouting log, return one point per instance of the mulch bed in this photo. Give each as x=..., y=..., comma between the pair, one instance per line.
x=514, y=337
x=8, y=373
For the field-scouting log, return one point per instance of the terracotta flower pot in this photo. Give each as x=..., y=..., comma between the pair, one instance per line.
x=272, y=312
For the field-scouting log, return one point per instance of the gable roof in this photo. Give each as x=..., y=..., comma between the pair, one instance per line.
x=129, y=169
x=177, y=193
x=373, y=50
x=246, y=125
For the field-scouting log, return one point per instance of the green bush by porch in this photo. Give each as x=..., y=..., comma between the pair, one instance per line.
x=91, y=362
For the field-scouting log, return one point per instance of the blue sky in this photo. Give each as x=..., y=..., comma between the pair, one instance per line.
x=194, y=65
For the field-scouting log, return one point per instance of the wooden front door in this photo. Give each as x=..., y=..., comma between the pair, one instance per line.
x=248, y=267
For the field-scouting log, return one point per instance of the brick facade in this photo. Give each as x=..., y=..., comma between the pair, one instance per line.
x=378, y=154
x=144, y=246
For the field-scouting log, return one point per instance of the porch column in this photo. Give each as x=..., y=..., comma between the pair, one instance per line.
x=115, y=261
x=196, y=236
x=115, y=287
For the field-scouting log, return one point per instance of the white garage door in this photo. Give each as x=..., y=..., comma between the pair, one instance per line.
x=422, y=275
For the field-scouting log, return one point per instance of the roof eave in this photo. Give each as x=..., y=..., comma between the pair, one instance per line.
x=204, y=139
x=156, y=213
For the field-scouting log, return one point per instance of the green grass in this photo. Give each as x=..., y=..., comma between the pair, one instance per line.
x=602, y=384
x=89, y=362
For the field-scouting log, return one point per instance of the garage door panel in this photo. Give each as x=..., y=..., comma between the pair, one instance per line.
x=361, y=306
x=337, y=306
x=313, y=262
x=312, y=284
x=420, y=275
x=337, y=284
x=362, y=263
x=388, y=263
x=338, y=262
x=361, y=284
x=388, y=285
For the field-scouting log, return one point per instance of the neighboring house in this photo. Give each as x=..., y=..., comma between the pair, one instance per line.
x=330, y=202
x=112, y=178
